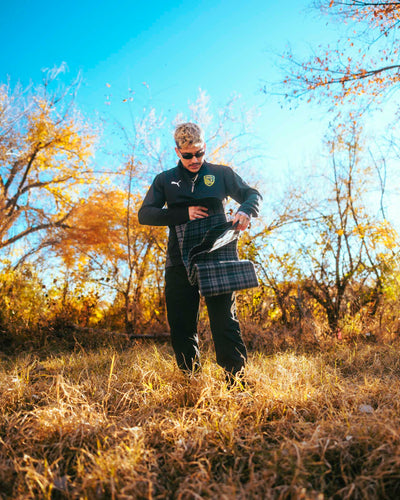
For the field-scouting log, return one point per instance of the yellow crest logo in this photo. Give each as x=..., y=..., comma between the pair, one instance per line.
x=209, y=180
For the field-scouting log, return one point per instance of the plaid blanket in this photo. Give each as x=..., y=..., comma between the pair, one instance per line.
x=209, y=253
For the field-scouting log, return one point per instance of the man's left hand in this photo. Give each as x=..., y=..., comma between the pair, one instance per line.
x=242, y=219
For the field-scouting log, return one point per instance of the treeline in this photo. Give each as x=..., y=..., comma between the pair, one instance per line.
x=76, y=263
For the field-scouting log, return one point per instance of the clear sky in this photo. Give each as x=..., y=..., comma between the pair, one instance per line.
x=224, y=47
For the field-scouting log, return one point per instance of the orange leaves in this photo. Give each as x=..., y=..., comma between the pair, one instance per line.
x=346, y=68
x=99, y=226
x=95, y=223
x=104, y=243
x=45, y=155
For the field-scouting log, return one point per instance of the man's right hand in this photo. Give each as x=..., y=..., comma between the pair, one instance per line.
x=197, y=213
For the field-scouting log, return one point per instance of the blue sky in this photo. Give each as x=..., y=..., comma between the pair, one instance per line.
x=223, y=47
x=175, y=46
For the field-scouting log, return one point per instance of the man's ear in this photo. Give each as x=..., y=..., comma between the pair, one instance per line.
x=178, y=152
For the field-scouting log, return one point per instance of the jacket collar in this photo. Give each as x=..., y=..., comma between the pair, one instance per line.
x=186, y=173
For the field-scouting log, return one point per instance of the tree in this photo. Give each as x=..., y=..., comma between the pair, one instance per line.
x=45, y=148
x=106, y=245
x=343, y=250
x=363, y=66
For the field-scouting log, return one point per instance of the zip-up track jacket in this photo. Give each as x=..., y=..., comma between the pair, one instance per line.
x=174, y=191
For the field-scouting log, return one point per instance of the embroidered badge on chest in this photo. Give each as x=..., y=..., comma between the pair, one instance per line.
x=209, y=180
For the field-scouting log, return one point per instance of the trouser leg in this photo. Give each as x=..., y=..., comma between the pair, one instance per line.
x=182, y=301
x=229, y=346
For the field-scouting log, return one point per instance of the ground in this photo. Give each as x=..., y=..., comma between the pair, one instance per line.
x=126, y=424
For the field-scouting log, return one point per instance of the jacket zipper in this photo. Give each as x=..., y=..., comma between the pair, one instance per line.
x=193, y=182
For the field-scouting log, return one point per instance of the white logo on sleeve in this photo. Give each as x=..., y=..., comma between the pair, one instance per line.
x=177, y=182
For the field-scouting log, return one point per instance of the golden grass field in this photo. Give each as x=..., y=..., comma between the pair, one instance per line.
x=125, y=424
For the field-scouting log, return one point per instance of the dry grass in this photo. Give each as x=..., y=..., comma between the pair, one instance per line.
x=128, y=425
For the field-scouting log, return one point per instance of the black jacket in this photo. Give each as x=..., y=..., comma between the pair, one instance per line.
x=178, y=189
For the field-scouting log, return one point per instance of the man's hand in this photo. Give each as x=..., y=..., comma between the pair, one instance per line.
x=197, y=213
x=242, y=219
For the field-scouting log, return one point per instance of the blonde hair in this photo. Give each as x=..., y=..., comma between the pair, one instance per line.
x=188, y=134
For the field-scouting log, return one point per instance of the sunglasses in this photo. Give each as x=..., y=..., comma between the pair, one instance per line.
x=189, y=156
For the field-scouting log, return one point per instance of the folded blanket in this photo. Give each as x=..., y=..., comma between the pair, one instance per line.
x=209, y=253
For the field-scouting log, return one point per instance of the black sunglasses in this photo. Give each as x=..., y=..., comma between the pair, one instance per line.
x=189, y=156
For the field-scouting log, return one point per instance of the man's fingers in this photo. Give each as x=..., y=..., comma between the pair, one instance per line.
x=242, y=221
x=197, y=212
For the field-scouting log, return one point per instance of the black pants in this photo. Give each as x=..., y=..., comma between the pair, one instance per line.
x=182, y=309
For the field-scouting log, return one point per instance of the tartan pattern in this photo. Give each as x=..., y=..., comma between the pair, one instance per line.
x=209, y=253
x=224, y=277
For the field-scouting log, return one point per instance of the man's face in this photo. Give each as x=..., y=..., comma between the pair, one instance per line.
x=194, y=163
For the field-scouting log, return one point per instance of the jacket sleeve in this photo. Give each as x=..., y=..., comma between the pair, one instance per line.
x=248, y=197
x=152, y=211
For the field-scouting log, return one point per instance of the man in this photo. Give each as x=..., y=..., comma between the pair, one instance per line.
x=196, y=189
